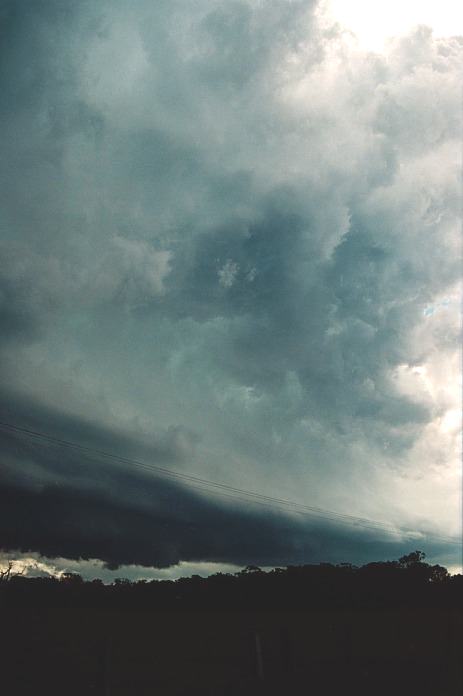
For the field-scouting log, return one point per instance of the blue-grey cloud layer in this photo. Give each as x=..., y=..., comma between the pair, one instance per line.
x=220, y=222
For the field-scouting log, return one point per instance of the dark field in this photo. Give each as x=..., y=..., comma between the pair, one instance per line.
x=135, y=652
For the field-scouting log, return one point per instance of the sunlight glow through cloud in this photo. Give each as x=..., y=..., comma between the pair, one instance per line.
x=375, y=21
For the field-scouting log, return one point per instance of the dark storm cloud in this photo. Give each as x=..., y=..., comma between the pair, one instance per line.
x=78, y=505
x=228, y=244
x=269, y=277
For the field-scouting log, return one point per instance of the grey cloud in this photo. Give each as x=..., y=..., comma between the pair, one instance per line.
x=220, y=222
x=80, y=505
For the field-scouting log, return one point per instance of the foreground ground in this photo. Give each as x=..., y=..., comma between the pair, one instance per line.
x=136, y=652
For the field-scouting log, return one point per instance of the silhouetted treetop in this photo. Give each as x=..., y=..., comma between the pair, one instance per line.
x=409, y=581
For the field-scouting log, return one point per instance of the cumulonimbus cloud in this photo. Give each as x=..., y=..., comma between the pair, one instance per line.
x=225, y=219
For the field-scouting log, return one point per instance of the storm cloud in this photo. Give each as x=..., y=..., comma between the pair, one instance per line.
x=81, y=504
x=229, y=245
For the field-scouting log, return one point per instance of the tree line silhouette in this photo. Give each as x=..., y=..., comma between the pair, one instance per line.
x=406, y=582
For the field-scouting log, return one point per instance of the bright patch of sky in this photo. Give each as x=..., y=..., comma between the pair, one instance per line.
x=375, y=21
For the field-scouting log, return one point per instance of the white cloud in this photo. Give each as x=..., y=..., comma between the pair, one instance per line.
x=374, y=21
x=227, y=274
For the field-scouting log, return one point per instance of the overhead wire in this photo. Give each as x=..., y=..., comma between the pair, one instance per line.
x=221, y=489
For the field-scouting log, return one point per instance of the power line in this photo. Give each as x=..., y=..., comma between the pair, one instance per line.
x=374, y=525
x=220, y=489
x=191, y=478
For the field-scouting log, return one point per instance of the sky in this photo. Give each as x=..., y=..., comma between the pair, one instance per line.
x=230, y=249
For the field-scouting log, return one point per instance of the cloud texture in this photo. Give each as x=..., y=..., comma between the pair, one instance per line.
x=228, y=233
